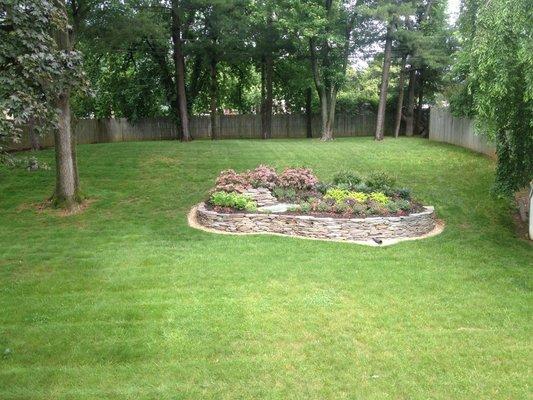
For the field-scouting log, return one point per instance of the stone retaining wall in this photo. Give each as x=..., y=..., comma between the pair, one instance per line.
x=353, y=229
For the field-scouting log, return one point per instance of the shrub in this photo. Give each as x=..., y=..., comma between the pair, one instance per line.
x=347, y=179
x=341, y=195
x=285, y=194
x=376, y=209
x=362, y=187
x=404, y=193
x=403, y=205
x=298, y=179
x=323, y=207
x=322, y=187
x=359, y=209
x=264, y=176
x=232, y=200
x=380, y=180
x=392, y=207
x=341, y=208
x=305, y=207
x=379, y=197
x=230, y=181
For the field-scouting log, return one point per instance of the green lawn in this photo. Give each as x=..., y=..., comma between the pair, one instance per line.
x=125, y=301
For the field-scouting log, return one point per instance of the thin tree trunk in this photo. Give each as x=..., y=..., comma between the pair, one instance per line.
x=409, y=117
x=380, y=122
x=34, y=138
x=213, y=89
x=308, y=115
x=420, y=88
x=266, y=106
x=399, y=105
x=179, y=73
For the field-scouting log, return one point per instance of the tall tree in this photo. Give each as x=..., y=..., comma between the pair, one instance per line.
x=179, y=69
x=328, y=27
x=499, y=39
x=389, y=13
x=39, y=69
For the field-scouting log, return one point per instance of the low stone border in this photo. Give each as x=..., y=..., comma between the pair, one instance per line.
x=388, y=230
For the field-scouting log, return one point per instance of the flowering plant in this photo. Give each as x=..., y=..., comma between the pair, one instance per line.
x=230, y=181
x=298, y=178
x=264, y=176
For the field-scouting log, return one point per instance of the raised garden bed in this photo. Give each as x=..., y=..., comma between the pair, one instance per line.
x=296, y=203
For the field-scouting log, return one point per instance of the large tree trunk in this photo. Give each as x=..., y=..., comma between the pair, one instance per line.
x=179, y=72
x=409, y=117
x=66, y=193
x=213, y=93
x=308, y=113
x=380, y=122
x=399, y=105
x=331, y=103
x=267, y=70
x=324, y=95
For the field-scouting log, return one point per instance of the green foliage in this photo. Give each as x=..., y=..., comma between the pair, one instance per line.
x=380, y=180
x=348, y=178
x=379, y=197
x=404, y=193
x=285, y=194
x=233, y=200
x=305, y=207
x=403, y=204
x=34, y=68
x=340, y=195
x=496, y=63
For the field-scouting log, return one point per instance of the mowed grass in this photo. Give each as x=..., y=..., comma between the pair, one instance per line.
x=125, y=301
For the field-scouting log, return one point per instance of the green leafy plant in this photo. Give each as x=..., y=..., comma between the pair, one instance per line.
x=322, y=187
x=232, y=200
x=379, y=197
x=403, y=205
x=348, y=179
x=285, y=194
x=380, y=181
x=404, y=193
x=392, y=207
x=341, y=195
x=305, y=207
x=341, y=208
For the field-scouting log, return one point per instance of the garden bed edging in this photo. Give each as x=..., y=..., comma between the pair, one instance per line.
x=343, y=229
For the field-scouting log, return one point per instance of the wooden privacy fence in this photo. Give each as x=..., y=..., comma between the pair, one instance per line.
x=444, y=127
x=229, y=127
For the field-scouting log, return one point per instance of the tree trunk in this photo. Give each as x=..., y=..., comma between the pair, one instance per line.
x=399, y=105
x=325, y=134
x=179, y=73
x=266, y=104
x=380, y=122
x=420, y=87
x=308, y=114
x=330, y=123
x=66, y=193
x=213, y=97
x=34, y=138
x=409, y=117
